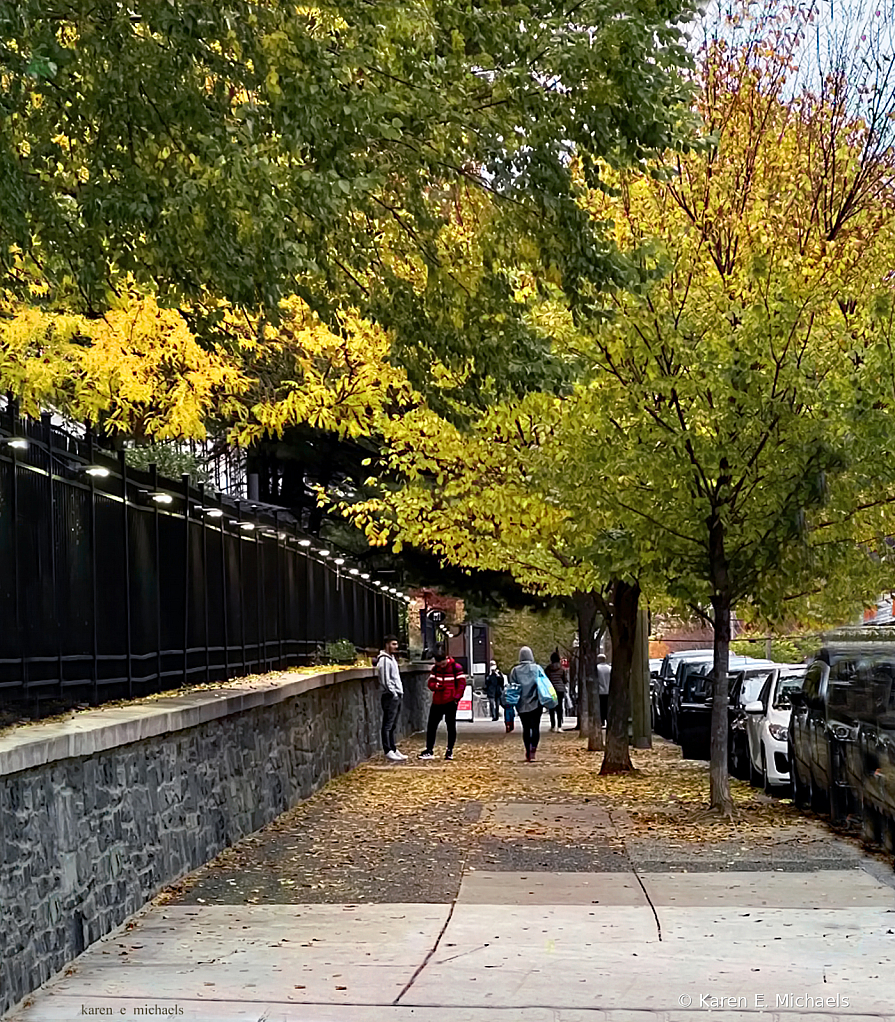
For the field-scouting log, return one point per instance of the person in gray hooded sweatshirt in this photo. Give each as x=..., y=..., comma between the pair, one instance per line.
x=525, y=677
x=392, y=697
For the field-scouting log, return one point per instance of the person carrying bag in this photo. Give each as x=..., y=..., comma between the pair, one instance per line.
x=534, y=691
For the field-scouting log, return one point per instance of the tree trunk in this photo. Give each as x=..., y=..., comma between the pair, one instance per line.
x=588, y=700
x=623, y=632
x=719, y=780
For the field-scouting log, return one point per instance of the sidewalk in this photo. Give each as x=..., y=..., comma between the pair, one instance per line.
x=489, y=888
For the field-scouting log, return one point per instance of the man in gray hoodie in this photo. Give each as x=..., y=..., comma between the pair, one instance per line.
x=392, y=697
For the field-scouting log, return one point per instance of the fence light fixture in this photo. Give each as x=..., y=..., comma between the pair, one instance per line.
x=248, y=526
x=18, y=442
x=213, y=512
x=304, y=542
x=283, y=535
x=97, y=471
x=323, y=553
x=366, y=575
x=354, y=571
x=340, y=560
x=161, y=498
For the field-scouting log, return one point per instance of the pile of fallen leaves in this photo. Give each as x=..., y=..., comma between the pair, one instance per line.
x=664, y=796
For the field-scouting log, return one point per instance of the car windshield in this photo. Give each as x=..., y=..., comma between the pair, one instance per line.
x=786, y=685
x=752, y=686
x=696, y=687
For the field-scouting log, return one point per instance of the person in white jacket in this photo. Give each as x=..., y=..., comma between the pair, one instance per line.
x=604, y=675
x=392, y=697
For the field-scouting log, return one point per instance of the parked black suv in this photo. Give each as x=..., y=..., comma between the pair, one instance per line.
x=842, y=731
x=661, y=697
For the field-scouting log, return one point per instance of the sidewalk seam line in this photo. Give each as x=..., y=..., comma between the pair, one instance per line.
x=432, y=951
x=649, y=900
x=441, y=932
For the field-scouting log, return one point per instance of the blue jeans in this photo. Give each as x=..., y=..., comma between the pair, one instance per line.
x=509, y=714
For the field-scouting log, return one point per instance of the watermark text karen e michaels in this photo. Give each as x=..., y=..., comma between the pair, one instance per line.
x=788, y=1000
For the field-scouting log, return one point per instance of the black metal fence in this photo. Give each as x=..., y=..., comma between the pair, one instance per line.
x=116, y=583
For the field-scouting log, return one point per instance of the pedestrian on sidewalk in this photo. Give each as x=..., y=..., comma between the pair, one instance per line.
x=524, y=677
x=604, y=673
x=392, y=697
x=494, y=689
x=447, y=682
x=559, y=678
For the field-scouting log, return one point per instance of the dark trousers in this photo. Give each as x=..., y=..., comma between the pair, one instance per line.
x=531, y=728
x=391, y=710
x=494, y=703
x=604, y=707
x=556, y=712
x=448, y=711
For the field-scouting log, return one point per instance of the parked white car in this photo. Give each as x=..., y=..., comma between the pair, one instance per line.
x=767, y=728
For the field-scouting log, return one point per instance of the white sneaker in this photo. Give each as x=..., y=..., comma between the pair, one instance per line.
x=400, y=754
x=393, y=756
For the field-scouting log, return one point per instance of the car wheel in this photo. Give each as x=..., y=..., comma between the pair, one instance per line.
x=688, y=750
x=837, y=795
x=871, y=825
x=816, y=796
x=766, y=785
x=800, y=794
x=887, y=828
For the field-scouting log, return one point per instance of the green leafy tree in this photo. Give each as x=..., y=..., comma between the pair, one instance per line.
x=740, y=397
x=244, y=153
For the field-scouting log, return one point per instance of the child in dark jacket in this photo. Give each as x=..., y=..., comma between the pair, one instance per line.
x=447, y=683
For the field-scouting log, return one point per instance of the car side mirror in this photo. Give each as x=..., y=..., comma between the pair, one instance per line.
x=756, y=707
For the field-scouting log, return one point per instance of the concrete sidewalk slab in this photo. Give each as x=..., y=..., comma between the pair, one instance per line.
x=847, y=888
x=567, y=929
x=533, y=818
x=541, y=888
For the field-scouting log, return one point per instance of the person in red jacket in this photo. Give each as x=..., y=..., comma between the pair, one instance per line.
x=447, y=683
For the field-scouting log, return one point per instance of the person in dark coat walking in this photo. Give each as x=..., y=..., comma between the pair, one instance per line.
x=494, y=689
x=559, y=678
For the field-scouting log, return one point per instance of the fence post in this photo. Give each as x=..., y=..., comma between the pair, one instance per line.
x=225, y=589
x=242, y=609
x=122, y=465
x=262, y=633
x=278, y=568
x=153, y=473
x=14, y=500
x=94, y=609
x=204, y=580
x=185, y=482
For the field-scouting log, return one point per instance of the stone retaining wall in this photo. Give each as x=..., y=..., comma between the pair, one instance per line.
x=100, y=812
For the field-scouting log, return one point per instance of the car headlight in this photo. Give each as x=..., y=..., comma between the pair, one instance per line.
x=779, y=732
